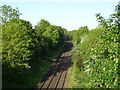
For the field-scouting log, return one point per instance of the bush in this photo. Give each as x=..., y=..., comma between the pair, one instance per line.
x=18, y=44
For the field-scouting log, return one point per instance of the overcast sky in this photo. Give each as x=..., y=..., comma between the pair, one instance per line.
x=70, y=14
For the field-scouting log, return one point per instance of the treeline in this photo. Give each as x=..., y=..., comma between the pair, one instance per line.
x=96, y=55
x=77, y=35
x=22, y=45
x=50, y=36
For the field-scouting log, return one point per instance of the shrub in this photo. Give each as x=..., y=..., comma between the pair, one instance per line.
x=18, y=44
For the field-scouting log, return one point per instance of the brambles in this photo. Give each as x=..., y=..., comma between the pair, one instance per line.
x=100, y=54
x=8, y=13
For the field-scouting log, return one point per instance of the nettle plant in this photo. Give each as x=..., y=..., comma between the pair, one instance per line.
x=105, y=67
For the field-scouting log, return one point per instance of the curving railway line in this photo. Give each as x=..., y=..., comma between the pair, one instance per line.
x=57, y=75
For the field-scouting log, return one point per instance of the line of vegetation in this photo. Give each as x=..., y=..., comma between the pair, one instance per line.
x=26, y=52
x=95, y=54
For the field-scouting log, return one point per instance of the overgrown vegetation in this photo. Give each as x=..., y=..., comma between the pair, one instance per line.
x=80, y=55
x=27, y=51
x=96, y=58
x=8, y=13
x=78, y=35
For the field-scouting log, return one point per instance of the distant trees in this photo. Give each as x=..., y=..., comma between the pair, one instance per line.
x=55, y=34
x=77, y=35
x=7, y=13
x=41, y=26
x=50, y=36
x=21, y=42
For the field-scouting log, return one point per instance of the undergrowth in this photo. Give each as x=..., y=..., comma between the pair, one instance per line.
x=28, y=78
x=96, y=57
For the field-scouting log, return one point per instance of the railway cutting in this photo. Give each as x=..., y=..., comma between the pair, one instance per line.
x=58, y=75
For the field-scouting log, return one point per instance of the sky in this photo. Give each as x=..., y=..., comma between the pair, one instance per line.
x=70, y=14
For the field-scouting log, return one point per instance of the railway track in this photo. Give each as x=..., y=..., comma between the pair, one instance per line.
x=56, y=76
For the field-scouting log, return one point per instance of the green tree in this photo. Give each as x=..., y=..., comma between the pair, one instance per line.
x=105, y=69
x=41, y=26
x=50, y=36
x=79, y=34
x=7, y=13
x=18, y=44
x=99, y=55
